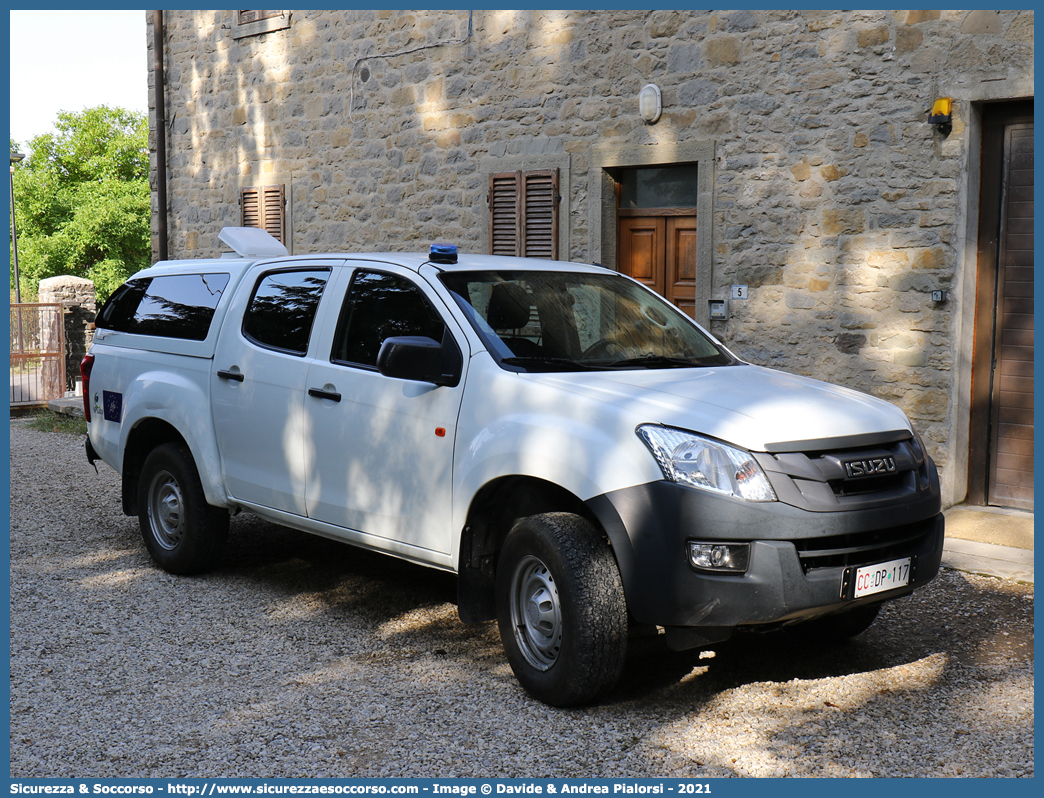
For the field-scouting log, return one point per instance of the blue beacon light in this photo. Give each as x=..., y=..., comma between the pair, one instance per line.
x=443, y=253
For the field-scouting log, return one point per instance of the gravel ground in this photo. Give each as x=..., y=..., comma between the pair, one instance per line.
x=304, y=657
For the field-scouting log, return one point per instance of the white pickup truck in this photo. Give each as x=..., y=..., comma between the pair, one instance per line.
x=579, y=452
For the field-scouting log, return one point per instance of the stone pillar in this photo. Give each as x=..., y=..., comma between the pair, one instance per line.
x=76, y=296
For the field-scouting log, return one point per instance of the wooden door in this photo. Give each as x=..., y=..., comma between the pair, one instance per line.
x=1011, y=441
x=1001, y=456
x=660, y=251
x=680, y=265
x=642, y=251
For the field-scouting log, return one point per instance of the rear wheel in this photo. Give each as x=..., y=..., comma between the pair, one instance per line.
x=561, y=609
x=183, y=534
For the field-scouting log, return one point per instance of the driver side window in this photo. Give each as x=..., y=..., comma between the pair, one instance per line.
x=379, y=306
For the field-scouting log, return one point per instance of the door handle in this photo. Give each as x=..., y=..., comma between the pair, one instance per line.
x=318, y=393
x=235, y=376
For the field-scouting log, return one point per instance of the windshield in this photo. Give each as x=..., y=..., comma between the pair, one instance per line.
x=566, y=321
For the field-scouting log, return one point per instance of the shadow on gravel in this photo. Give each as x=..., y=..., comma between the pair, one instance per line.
x=289, y=562
x=373, y=590
x=923, y=651
x=907, y=631
x=653, y=670
x=336, y=661
x=396, y=602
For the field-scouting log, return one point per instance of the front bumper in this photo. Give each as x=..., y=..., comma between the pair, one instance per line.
x=797, y=557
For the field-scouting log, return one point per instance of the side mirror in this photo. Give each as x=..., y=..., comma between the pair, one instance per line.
x=419, y=358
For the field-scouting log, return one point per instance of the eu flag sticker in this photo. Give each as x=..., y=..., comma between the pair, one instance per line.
x=113, y=404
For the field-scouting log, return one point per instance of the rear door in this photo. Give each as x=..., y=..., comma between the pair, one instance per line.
x=258, y=383
x=383, y=446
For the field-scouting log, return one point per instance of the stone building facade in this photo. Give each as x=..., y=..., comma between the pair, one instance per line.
x=815, y=180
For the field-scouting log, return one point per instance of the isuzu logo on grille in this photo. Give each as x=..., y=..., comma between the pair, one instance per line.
x=871, y=467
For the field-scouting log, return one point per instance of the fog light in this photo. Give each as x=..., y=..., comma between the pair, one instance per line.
x=724, y=557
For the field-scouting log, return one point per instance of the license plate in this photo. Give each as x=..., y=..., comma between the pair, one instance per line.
x=872, y=579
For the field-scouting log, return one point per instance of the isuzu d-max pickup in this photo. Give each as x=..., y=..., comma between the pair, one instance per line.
x=581, y=454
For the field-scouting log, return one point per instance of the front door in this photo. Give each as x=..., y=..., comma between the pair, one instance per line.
x=383, y=446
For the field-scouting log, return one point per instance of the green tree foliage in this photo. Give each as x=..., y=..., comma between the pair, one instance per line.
x=82, y=200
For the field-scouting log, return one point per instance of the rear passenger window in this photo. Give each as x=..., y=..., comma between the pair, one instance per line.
x=282, y=309
x=175, y=306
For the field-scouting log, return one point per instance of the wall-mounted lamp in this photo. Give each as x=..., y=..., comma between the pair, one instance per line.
x=650, y=105
x=941, y=115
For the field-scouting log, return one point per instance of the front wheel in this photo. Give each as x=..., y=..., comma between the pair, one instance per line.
x=561, y=609
x=183, y=534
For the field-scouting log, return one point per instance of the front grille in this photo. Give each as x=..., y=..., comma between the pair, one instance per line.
x=862, y=487
x=853, y=478
x=863, y=548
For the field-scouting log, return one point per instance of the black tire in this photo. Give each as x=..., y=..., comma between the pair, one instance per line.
x=840, y=626
x=561, y=609
x=183, y=534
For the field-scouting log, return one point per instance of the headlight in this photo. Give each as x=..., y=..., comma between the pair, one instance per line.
x=699, y=462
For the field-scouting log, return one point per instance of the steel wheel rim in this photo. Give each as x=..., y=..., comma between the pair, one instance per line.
x=536, y=613
x=166, y=510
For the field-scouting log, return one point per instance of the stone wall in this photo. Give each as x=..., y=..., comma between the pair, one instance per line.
x=77, y=298
x=832, y=198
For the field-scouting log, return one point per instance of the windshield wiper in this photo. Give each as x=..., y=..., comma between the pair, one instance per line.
x=644, y=361
x=561, y=363
x=656, y=362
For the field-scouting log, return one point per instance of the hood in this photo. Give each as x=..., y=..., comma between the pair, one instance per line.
x=750, y=406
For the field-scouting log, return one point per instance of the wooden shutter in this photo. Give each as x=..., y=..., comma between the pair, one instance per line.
x=264, y=207
x=540, y=214
x=504, y=213
x=246, y=17
x=523, y=213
